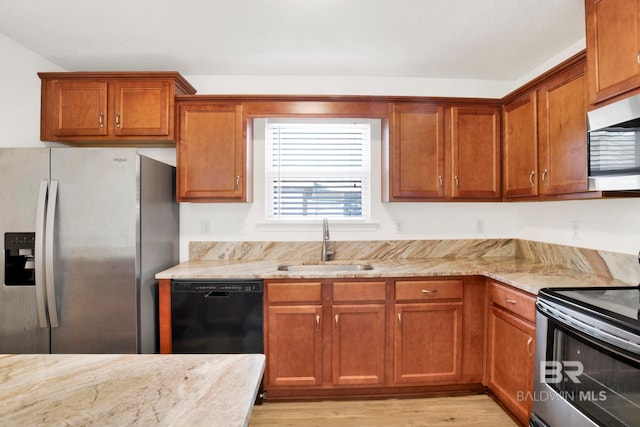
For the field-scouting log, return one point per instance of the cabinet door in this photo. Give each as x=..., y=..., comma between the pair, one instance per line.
x=142, y=108
x=613, y=47
x=520, y=147
x=510, y=377
x=428, y=342
x=211, y=153
x=79, y=108
x=358, y=344
x=416, y=152
x=562, y=133
x=294, y=345
x=475, y=152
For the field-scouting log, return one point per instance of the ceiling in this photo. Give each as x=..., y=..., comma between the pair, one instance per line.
x=465, y=39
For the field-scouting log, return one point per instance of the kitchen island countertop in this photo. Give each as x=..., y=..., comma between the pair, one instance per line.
x=523, y=274
x=136, y=389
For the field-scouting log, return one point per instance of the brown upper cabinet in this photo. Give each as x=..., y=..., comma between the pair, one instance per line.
x=110, y=108
x=415, y=154
x=613, y=47
x=562, y=133
x=520, y=146
x=473, y=142
x=545, y=138
x=213, y=152
x=440, y=152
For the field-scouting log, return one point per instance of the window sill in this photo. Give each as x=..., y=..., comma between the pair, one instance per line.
x=315, y=224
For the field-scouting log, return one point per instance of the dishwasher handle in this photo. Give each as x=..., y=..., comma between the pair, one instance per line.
x=216, y=294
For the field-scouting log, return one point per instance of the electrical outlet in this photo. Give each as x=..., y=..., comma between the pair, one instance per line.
x=399, y=226
x=575, y=230
x=205, y=226
x=480, y=226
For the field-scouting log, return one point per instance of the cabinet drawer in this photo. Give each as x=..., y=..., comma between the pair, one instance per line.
x=428, y=290
x=302, y=292
x=517, y=302
x=359, y=291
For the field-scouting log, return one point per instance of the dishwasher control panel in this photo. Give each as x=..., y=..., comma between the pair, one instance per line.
x=216, y=286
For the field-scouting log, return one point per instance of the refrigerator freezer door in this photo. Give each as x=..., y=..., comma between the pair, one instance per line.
x=95, y=250
x=21, y=172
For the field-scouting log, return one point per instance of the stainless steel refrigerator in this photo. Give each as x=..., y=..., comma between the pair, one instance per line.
x=85, y=230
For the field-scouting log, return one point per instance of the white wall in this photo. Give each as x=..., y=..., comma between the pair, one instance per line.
x=602, y=224
x=20, y=89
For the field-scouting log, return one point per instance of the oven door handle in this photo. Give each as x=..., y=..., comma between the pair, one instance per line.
x=591, y=330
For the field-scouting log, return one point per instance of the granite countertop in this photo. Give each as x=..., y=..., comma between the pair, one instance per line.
x=121, y=390
x=523, y=274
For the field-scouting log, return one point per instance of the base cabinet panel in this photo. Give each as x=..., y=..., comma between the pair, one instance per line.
x=358, y=344
x=428, y=342
x=294, y=356
x=510, y=348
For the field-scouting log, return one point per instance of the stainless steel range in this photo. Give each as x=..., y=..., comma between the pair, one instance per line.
x=587, y=370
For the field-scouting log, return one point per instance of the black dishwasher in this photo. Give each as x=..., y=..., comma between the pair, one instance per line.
x=217, y=316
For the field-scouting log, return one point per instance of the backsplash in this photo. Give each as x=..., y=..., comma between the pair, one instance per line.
x=353, y=250
x=601, y=263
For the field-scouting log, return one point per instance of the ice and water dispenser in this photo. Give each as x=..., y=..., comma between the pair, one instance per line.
x=19, y=265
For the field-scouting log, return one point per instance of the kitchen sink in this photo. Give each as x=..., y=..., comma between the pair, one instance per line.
x=324, y=267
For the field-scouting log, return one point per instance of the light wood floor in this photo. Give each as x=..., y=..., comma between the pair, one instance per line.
x=475, y=410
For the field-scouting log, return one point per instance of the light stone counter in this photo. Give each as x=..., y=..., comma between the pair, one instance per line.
x=523, y=274
x=524, y=264
x=125, y=390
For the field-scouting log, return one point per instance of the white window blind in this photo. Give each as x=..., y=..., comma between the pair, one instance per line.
x=317, y=169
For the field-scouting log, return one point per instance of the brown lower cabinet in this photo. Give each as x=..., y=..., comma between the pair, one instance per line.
x=373, y=337
x=510, y=348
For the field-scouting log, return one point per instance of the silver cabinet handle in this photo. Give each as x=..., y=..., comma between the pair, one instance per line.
x=101, y=119
x=337, y=317
x=510, y=301
x=457, y=182
x=544, y=177
x=429, y=291
x=49, y=254
x=317, y=322
x=440, y=182
x=237, y=182
x=531, y=178
x=529, y=341
x=117, y=120
x=38, y=255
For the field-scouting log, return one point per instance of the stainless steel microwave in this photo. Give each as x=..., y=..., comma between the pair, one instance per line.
x=614, y=146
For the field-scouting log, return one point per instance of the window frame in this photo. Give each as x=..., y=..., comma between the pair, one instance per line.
x=333, y=173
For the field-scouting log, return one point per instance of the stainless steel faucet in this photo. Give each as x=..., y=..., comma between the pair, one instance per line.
x=328, y=249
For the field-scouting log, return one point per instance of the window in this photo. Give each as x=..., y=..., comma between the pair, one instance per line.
x=317, y=169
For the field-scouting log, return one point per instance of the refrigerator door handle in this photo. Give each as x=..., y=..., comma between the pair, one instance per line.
x=39, y=255
x=51, y=288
